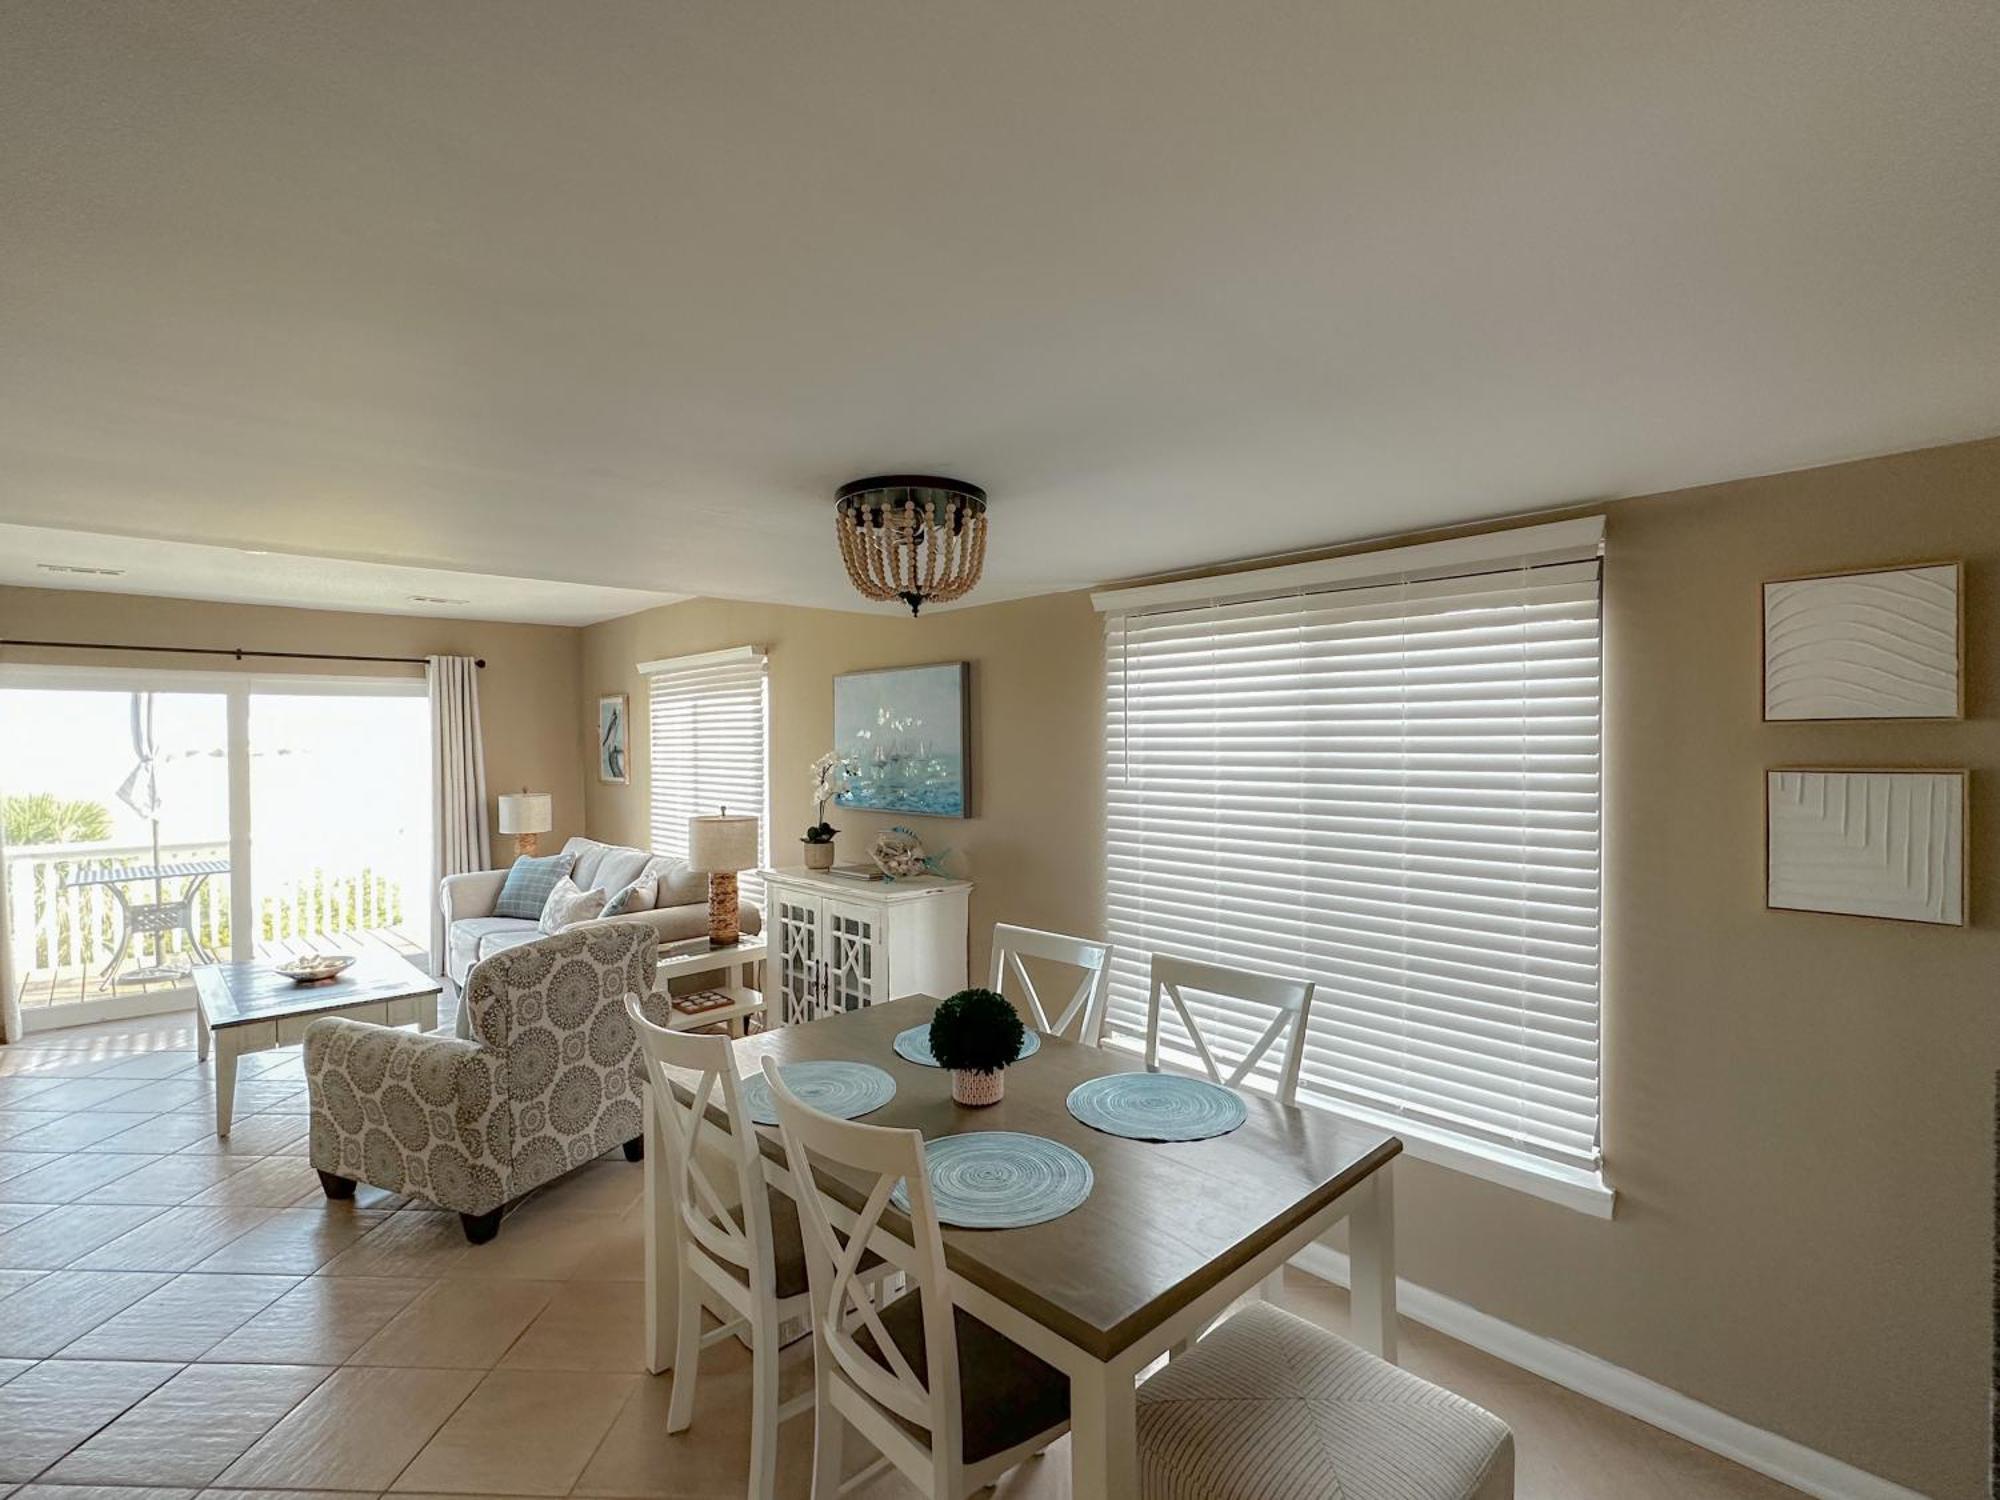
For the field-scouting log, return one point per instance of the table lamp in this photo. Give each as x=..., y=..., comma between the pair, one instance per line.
x=720, y=845
x=526, y=815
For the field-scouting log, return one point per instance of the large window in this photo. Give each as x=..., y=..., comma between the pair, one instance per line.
x=707, y=741
x=1380, y=773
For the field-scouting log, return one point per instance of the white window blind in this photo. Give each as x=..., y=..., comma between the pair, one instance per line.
x=1388, y=785
x=707, y=743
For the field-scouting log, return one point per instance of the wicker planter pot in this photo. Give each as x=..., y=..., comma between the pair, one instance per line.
x=817, y=856
x=977, y=1090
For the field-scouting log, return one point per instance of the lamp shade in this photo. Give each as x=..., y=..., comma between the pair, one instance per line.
x=722, y=842
x=527, y=812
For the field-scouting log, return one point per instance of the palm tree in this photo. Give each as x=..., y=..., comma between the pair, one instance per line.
x=44, y=818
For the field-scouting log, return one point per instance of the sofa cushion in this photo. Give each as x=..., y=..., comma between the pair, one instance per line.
x=616, y=869
x=467, y=935
x=679, y=884
x=584, y=854
x=529, y=882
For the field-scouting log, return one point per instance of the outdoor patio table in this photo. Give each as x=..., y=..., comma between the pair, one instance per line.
x=146, y=918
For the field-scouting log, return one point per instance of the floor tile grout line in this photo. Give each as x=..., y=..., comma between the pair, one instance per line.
x=431, y=1436
x=41, y=1473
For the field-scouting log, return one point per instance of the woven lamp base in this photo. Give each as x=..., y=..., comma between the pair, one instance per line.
x=724, y=927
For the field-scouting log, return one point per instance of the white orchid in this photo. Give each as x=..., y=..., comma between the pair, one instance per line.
x=830, y=773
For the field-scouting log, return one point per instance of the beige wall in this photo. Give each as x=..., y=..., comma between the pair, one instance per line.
x=1798, y=1108
x=1030, y=846
x=527, y=694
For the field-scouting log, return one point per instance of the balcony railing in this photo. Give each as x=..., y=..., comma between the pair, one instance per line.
x=66, y=934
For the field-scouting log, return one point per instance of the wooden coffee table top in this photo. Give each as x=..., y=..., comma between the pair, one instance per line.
x=1163, y=1223
x=238, y=994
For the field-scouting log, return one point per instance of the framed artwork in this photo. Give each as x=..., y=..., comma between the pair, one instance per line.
x=905, y=733
x=614, y=738
x=1868, y=843
x=1884, y=643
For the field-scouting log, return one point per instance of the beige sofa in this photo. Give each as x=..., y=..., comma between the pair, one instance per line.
x=473, y=933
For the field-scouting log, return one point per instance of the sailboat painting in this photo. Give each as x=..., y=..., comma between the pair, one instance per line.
x=904, y=733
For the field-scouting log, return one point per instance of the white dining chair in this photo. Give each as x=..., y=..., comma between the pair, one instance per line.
x=1269, y=1404
x=1084, y=1009
x=1290, y=1001
x=944, y=1399
x=743, y=1260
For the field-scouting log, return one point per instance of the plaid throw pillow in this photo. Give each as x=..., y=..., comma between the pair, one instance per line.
x=529, y=882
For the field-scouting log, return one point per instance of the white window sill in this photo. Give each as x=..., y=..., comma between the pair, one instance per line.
x=1573, y=1187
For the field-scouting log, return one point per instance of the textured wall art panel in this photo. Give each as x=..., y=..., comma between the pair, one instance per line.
x=1863, y=645
x=1869, y=843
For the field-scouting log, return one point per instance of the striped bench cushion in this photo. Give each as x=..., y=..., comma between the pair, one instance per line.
x=1271, y=1407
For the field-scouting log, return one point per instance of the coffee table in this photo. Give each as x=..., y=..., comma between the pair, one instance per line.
x=251, y=1007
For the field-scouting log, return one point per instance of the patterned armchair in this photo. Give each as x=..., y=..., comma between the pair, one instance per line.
x=550, y=1080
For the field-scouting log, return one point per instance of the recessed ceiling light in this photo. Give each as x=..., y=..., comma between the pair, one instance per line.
x=435, y=599
x=80, y=569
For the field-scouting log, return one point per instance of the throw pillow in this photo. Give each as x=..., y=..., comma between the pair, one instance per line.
x=528, y=884
x=567, y=906
x=636, y=897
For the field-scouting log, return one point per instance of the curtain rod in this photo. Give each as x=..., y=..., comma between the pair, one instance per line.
x=237, y=652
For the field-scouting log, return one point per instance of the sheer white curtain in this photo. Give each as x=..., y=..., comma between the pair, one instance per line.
x=459, y=839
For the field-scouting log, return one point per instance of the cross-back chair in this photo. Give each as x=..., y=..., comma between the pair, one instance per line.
x=745, y=1259
x=945, y=1399
x=1085, y=1008
x=1289, y=999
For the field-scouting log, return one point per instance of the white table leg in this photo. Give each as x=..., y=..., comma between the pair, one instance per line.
x=1103, y=1434
x=663, y=1272
x=200, y=1035
x=225, y=1080
x=1372, y=1265
x=427, y=1012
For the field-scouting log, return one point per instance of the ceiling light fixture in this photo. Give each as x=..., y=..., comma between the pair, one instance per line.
x=913, y=537
x=80, y=569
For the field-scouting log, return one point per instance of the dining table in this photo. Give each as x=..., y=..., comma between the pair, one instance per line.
x=1170, y=1236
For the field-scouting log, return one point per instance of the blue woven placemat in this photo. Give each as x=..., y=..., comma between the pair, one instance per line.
x=1157, y=1107
x=1000, y=1179
x=845, y=1089
x=914, y=1045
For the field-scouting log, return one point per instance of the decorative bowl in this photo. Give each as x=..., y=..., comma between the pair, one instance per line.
x=315, y=968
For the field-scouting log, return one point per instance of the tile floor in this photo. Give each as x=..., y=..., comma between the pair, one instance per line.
x=181, y=1315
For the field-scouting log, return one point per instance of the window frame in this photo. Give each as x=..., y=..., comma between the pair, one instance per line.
x=1575, y=1185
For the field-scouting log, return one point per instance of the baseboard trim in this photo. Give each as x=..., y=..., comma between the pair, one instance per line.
x=1776, y=1457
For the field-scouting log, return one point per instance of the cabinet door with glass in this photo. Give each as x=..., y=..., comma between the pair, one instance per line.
x=854, y=957
x=797, y=917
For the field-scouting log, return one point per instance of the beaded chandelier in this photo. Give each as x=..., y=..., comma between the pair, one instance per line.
x=912, y=537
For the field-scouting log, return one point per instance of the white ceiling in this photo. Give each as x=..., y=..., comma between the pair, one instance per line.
x=616, y=295
x=43, y=557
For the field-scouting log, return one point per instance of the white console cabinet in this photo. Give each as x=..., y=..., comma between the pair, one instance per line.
x=837, y=945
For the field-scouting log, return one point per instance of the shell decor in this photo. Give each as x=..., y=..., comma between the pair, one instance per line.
x=899, y=854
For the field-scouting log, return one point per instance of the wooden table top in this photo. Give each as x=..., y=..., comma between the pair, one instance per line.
x=238, y=994
x=1164, y=1222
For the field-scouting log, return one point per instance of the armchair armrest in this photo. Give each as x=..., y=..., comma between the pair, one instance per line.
x=473, y=894
x=410, y=1112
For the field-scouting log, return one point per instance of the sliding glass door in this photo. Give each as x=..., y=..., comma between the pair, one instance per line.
x=117, y=845
x=340, y=818
x=154, y=821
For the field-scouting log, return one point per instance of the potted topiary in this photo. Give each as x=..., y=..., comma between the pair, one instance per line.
x=976, y=1034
